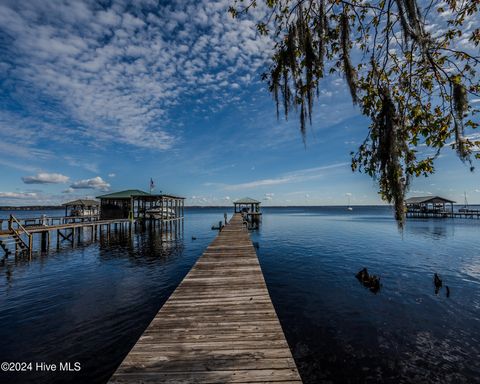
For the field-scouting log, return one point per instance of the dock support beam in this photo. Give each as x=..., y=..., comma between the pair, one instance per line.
x=45, y=242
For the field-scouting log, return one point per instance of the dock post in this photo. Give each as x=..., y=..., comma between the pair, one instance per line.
x=30, y=244
x=44, y=241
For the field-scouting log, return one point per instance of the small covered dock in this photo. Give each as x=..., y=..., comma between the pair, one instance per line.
x=82, y=207
x=429, y=206
x=250, y=209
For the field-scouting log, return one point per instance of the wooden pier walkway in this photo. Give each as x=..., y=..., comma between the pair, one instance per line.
x=219, y=326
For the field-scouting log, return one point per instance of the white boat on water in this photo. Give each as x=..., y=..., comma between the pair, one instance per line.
x=82, y=212
x=160, y=213
x=349, y=208
x=464, y=209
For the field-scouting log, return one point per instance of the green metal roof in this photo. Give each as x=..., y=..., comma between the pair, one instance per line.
x=246, y=200
x=427, y=199
x=83, y=202
x=127, y=194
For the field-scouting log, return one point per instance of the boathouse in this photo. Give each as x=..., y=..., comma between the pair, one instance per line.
x=250, y=209
x=429, y=206
x=81, y=207
x=247, y=204
x=137, y=204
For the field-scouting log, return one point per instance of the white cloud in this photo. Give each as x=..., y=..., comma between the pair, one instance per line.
x=94, y=183
x=18, y=195
x=419, y=192
x=46, y=178
x=68, y=190
x=269, y=196
x=111, y=175
x=288, y=178
x=82, y=163
x=17, y=165
x=118, y=71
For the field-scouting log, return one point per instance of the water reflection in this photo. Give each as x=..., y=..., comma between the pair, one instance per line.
x=341, y=333
x=433, y=230
x=142, y=244
x=87, y=303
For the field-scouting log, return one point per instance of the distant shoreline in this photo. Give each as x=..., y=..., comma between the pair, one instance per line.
x=59, y=207
x=54, y=207
x=32, y=208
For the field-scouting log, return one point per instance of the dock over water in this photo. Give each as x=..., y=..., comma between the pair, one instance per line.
x=219, y=326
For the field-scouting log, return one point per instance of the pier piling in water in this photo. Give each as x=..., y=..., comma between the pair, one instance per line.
x=18, y=236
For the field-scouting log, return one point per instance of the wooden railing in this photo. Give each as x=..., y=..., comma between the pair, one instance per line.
x=13, y=220
x=52, y=220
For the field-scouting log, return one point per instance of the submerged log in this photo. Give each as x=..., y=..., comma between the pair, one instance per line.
x=371, y=282
x=437, y=282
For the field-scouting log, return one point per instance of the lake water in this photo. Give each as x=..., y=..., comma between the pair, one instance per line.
x=92, y=302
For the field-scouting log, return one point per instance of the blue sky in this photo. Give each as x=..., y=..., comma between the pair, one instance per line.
x=101, y=97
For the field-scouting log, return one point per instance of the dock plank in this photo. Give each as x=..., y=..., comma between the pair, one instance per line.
x=219, y=326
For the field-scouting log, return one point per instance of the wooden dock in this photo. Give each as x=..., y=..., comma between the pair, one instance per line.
x=18, y=236
x=219, y=326
x=470, y=214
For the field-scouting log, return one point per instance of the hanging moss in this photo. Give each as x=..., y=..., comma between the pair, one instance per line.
x=460, y=102
x=402, y=79
x=350, y=73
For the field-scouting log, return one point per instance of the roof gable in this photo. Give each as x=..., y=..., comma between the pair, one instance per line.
x=246, y=200
x=84, y=202
x=427, y=199
x=128, y=193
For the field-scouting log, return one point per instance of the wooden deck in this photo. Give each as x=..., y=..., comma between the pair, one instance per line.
x=219, y=326
x=44, y=228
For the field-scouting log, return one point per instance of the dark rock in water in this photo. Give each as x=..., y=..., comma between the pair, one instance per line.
x=437, y=282
x=194, y=238
x=362, y=275
x=448, y=290
x=374, y=283
x=371, y=282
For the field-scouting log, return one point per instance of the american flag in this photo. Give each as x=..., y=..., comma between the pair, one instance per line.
x=152, y=185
